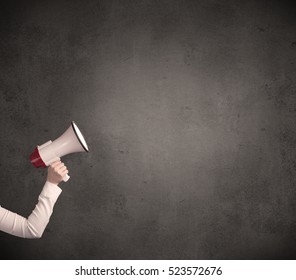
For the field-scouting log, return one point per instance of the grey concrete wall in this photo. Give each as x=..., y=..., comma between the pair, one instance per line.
x=189, y=111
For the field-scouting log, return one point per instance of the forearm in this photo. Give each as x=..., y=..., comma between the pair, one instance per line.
x=35, y=224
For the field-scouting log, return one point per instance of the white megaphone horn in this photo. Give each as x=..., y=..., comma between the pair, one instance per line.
x=72, y=141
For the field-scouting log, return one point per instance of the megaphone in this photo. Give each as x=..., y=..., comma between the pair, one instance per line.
x=72, y=141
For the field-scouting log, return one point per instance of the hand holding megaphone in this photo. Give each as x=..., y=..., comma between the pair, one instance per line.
x=72, y=141
x=56, y=172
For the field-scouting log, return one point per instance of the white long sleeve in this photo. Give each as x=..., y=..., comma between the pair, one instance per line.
x=35, y=224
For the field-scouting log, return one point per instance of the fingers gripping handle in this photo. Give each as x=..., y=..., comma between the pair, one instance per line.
x=66, y=176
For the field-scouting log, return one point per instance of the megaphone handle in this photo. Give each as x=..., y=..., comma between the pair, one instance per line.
x=66, y=178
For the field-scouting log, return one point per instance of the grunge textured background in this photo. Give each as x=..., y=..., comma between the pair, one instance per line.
x=189, y=111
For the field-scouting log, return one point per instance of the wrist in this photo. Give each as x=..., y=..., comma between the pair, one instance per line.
x=53, y=182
